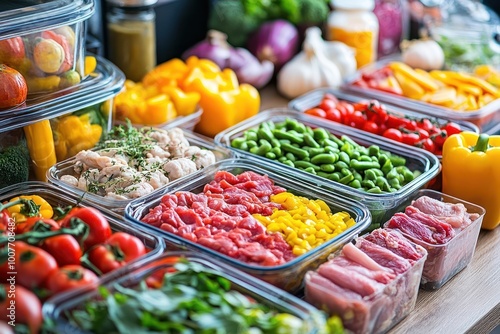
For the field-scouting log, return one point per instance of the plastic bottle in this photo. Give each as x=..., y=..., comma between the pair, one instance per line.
x=132, y=37
x=354, y=23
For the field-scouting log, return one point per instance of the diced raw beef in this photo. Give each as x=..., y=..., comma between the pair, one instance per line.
x=377, y=275
x=349, y=279
x=188, y=216
x=395, y=242
x=412, y=227
x=225, y=176
x=442, y=231
x=383, y=256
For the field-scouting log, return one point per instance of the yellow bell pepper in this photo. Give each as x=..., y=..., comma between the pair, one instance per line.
x=20, y=212
x=40, y=141
x=224, y=102
x=185, y=103
x=471, y=171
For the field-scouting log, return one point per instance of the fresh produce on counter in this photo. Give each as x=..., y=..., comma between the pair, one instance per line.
x=248, y=218
x=371, y=285
x=56, y=249
x=455, y=90
x=194, y=299
x=13, y=88
x=474, y=155
x=46, y=59
x=247, y=67
x=447, y=228
x=319, y=152
x=129, y=162
x=372, y=116
x=319, y=64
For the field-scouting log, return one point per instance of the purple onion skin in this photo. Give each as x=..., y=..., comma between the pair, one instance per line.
x=249, y=69
x=213, y=47
x=276, y=41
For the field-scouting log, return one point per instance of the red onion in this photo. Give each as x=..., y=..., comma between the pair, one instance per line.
x=247, y=67
x=276, y=41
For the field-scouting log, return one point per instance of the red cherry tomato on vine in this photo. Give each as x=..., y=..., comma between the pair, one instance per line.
x=97, y=222
x=429, y=145
x=316, y=112
x=334, y=115
x=27, y=307
x=393, y=134
x=439, y=138
x=357, y=119
x=30, y=223
x=370, y=126
x=70, y=277
x=411, y=138
x=327, y=104
x=452, y=128
x=422, y=133
x=332, y=97
x=426, y=124
x=72, y=251
x=118, y=250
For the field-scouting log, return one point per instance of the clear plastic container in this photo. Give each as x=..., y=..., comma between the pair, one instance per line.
x=484, y=118
x=56, y=196
x=184, y=122
x=56, y=308
x=375, y=313
x=313, y=98
x=45, y=41
x=48, y=128
x=295, y=269
x=118, y=205
x=381, y=206
x=446, y=260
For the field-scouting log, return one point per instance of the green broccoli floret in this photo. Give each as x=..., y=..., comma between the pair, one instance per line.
x=14, y=164
x=313, y=11
x=229, y=17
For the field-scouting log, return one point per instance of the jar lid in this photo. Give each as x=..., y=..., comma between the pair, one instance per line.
x=132, y=3
x=353, y=4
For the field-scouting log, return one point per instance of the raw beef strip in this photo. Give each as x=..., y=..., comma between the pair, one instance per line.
x=442, y=232
x=395, y=242
x=377, y=275
x=354, y=254
x=411, y=226
x=454, y=214
x=383, y=256
x=350, y=279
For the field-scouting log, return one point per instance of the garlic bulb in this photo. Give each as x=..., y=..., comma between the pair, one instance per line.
x=310, y=69
x=424, y=54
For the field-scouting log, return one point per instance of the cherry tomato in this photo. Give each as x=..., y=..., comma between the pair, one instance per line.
x=410, y=138
x=439, y=138
x=332, y=97
x=357, y=119
x=38, y=223
x=394, y=121
x=327, y=104
x=98, y=224
x=370, y=126
x=118, y=250
x=163, y=266
x=316, y=112
x=393, y=134
x=422, y=133
x=26, y=309
x=334, y=115
x=32, y=264
x=452, y=128
x=428, y=144
x=426, y=125
x=72, y=251
x=70, y=277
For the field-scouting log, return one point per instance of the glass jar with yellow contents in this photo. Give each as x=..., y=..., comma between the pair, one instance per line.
x=354, y=23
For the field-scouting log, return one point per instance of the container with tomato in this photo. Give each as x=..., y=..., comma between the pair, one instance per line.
x=454, y=96
x=45, y=42
x=53, y=128
x=389, y=121
x=226, y=299
x=62, y=243
x=258, y=218
x=366, y=167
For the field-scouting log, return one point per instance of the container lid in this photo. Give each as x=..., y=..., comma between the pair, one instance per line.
x=132, y=3
x=353, y=4
x=24, y=17
x=105, y=82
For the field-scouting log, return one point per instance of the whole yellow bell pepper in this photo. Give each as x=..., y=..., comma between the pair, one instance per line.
x=40, y=141
x=38, y=207
x=471, y=171
x=224, y=101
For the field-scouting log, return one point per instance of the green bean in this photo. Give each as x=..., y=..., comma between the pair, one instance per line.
x=382, y=158
x=339, y=165
x=320, y=133
x=251, y=135
x=346, y=171
x=355, y=154
x=277, y=151
x=374, y=190
x=393, y=174
x=236, y=142
x=251, y=143
x=288, y=136
x=289, y=163
x=365, y=158
x=368, y=184
x=328, y=142
x=264, y=142
x=336, y=139
x=363, y=165
x=327, y=168
x=310, y=131
x=282, y=158
x=357, y=176
x=265, y=133
x=310, y=170
x=324, y=158
x=370, y=175
x=306, y=164
x=373, y=150
x=261, y=150
x=331, y=149
x=397, y=160
x=309, y=140
x=355, y=184
x=315, y=151
x=290, y=156
x=344, y=157
x=244, y=146
x=347, y=139
x=298, y=152
x=346, y=179
x=387, y=167
x=284, y=141
x=275, y=142
x=270, y=155
x=335, y=177
x=394, y=182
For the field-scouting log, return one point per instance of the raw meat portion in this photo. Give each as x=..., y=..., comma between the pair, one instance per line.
x=349, y=279
x=454, y=214
x=353, y=253
x=383, y=256
x=377, y=275
x=442, y=232
x=412, y=227
x=395, y=242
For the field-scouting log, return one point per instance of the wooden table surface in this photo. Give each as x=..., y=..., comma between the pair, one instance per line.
x=468, y=303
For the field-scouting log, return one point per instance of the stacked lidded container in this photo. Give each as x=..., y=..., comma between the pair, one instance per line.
x=69, y=104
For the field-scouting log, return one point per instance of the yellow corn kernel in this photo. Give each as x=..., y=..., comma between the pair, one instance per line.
x=297, y=250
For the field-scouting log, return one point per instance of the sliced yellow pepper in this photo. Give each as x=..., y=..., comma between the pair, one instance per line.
x=40, y=141
x=185, y=103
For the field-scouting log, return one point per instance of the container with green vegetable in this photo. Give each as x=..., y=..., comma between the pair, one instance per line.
x=373, y=170
x=184, y=292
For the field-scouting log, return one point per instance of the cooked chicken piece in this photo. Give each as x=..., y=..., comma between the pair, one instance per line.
x=201, y=157
x=157, y=179
x=70, y=179
x=95, y=160
x=179, y=167
x=157, y=152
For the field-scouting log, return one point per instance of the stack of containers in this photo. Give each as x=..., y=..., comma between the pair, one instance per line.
x=69, y=105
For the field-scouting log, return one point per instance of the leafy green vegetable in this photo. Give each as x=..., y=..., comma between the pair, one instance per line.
x=193, y=299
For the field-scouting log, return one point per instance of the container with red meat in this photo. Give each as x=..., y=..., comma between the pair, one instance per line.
x=372, y=284
x=258, y=218
x=446, y=227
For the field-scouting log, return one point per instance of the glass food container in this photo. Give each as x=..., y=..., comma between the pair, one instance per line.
x=45, y=42
x=287, y=276
x=50, y=128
